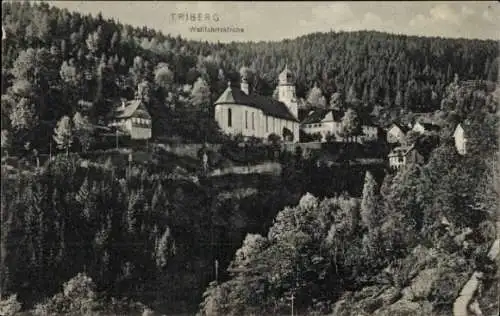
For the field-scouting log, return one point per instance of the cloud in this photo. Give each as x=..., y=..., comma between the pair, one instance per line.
x=453, y=21
x=466, y=10
x=336, y=13
x=341, y=16
x=275, y=21
x=488, y=16
x=418, y=20
x=443, y=12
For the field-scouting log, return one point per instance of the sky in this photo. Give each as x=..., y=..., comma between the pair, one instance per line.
x=273, y=21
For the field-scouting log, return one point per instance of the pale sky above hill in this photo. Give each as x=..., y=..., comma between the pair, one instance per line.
x=279, y=20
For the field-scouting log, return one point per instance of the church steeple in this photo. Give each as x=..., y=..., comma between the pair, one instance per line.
x=244, y=85
x=286, y=90
x=285, y=77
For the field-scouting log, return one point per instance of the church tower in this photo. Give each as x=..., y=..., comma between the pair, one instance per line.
x=286, y=91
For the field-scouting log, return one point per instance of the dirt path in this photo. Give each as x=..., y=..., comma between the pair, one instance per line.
x=461, y=305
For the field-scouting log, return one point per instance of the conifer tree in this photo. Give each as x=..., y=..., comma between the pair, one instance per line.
x=369, y=202
x=6, y=141
x=162, y=249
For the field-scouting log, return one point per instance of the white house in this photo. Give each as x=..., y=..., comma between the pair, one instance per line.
x=460, y=139
x=251, y=115
x=133, y=118
x=323, y=121
x=396, y=133
x=403, y=155
x=328, y=122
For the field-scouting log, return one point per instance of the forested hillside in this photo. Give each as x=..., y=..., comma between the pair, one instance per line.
x=57, y=63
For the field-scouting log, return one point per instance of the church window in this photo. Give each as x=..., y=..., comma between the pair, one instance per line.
x=253, y=120
x=246, y=119
x=229, y=118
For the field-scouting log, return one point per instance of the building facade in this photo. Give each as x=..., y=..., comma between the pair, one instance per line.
x=132, y=118
x=460, y=140
x=403, y=155
x=239, y=112
x=328, y=123
x=396, y=134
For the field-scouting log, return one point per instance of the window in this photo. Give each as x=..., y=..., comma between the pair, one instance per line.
x=229, y=118
x=253, y=120
x=246, y=119
x=267, y=123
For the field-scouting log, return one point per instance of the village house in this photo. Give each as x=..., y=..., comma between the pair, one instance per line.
x=423, y=128
x=460, y=138
x=132, y=118
x=239, y=112
x=403, y=155
x=328, y=123
x=396, y=133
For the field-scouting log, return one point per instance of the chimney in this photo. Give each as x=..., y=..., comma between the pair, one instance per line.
x=244, y=85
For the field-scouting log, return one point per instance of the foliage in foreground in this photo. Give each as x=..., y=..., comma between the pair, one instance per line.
x=417, y=236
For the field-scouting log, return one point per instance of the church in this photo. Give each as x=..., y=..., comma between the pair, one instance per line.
x=239, y=112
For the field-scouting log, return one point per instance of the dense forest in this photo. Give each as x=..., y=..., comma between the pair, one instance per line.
x=56, y=63
x=86, y=236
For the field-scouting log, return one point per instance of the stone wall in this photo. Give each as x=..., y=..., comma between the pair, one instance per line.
x=190, y=150
x=267, y=167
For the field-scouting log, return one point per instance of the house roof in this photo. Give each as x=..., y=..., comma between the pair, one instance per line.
x=270, y=107
x=429, y=126
x=402, y=127
x=319, y=115
x=401, y=150
x=465, y=127
x=129, y=109
x=322, y=115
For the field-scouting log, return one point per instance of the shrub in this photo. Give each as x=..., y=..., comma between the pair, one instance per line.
x=78, y=297
x=10, y=306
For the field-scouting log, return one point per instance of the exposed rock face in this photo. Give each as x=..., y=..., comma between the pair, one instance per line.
x=429, y=280
x=466, y=303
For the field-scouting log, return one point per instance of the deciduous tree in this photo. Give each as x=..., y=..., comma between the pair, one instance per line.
x=83, y=130
x=63, y=134
x=200, y=94
x=351, y=125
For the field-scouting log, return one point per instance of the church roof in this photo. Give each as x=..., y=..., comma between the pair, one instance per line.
x=270, y=107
